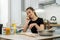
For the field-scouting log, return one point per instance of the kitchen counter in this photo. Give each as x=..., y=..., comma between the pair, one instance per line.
x=53, y=25
x=17, y=37
x=25, y=37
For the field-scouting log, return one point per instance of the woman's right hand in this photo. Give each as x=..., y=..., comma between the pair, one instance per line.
x=26, y=24
x=27, y=20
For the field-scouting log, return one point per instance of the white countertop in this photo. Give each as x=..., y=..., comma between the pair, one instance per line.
x=25, y=37
x=17, y=37
x=49, y=37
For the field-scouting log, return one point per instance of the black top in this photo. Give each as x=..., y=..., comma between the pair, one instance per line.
x=38, y=22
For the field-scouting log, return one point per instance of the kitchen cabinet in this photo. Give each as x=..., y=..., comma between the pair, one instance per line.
x=0, y=10
x=32, y=3
x=58, y=2
x=15, y=16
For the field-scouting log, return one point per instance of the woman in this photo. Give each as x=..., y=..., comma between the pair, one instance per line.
x=33, y=22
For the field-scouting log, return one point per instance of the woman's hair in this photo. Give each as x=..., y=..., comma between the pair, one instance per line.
x=32, y=10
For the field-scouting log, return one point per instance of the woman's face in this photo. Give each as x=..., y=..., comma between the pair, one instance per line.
x=30, y=13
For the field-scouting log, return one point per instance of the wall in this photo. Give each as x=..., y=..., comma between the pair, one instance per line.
x=16, y=12
x=53, y=10
x=0, y=10
x=4, y=12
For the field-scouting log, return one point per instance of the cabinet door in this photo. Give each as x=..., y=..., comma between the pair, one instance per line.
x=0, y=11
x=16, y=12
x=32, y=3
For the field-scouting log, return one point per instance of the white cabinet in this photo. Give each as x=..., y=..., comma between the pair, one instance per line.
x=16, y=12
x=4, y=12
x=32, y=3
x=58, y=1
x=0, y=10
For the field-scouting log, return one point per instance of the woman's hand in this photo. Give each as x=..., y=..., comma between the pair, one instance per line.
x=26, y=24
x=27, y=20
x=32, y=25
x=41, y=27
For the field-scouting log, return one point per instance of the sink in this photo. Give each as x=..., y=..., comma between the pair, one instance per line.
x=4, y=38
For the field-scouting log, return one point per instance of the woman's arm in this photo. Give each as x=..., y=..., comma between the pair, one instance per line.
x=26, y=24
x=41, y=27
x=25, y=27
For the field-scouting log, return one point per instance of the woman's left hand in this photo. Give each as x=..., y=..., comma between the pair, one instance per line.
x=32, y=25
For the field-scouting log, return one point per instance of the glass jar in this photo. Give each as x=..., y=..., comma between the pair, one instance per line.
x=13, y=28
x=8, y=31
x=3, y=30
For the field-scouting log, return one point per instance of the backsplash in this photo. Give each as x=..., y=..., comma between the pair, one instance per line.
x=53, y=11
